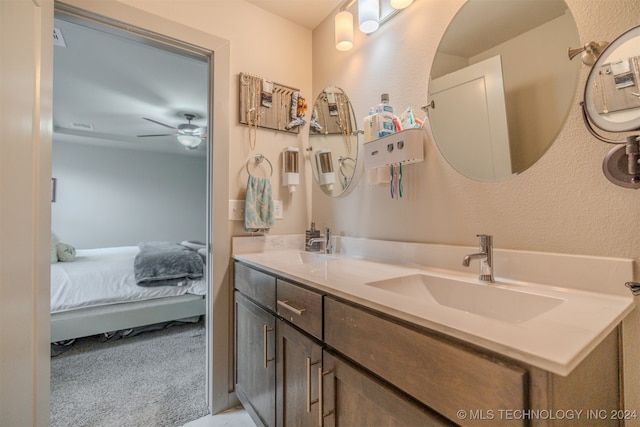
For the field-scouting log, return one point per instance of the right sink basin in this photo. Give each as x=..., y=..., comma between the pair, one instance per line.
x=493, y=301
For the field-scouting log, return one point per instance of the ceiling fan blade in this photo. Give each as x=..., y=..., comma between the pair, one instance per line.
x=159, y=123
x=161, y=134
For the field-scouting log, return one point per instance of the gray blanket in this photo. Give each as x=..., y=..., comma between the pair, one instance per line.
x=165, y=263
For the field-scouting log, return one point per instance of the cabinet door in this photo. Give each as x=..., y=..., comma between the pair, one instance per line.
x=299, y=359
x=255, y=360
x=352, y=397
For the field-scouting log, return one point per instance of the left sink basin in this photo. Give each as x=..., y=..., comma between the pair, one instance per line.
x=313, y=257
x=497, y=302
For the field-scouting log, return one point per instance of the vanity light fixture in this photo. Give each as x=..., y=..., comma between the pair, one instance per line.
x=372, y=14
x=590, y=52
x=400, y=4
x=344, y=30
x=189, y=142
x=368, y=15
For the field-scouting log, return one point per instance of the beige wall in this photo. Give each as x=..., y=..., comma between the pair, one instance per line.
x=267, y=46
x=561, y=204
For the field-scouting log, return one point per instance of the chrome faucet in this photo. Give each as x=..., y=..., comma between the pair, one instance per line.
x=326, y=240
x=486, y=258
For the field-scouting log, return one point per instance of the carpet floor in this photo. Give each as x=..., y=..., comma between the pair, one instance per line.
x=154, y=379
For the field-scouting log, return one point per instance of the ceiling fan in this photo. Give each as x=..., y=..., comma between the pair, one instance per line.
x=189, y=135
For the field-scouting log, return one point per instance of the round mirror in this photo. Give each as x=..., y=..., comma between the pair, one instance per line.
x=612, y=91
x=502, y=85
x=333, y=140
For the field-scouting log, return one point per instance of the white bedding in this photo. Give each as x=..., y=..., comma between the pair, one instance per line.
x=105, y=276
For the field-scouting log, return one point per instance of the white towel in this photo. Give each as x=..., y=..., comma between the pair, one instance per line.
x=258, y=208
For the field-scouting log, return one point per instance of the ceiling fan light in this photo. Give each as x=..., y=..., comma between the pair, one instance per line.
x=189, y=141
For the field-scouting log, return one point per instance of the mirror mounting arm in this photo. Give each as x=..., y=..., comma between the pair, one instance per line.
x=592, y=131
x=613, y=163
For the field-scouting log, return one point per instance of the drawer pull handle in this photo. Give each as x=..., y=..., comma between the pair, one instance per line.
x=309, y=401
x=265, y=339
x=297, y=311
x=321, y=413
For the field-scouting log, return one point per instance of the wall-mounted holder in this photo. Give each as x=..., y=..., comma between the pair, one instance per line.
x=265, y=104
x=290, y=168
x=404, y=147
x=326, y=174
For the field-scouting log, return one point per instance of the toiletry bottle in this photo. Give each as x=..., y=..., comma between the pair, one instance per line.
x=384, y=116
x=312, y=233
x=370, y=127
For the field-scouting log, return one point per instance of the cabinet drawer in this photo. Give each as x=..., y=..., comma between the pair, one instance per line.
x=259, y=286
x=301, y=307
x=446, y=377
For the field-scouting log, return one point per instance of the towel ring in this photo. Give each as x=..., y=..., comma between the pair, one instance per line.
x=258, y=158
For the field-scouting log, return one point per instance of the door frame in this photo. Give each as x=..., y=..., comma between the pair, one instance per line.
x=217, y=50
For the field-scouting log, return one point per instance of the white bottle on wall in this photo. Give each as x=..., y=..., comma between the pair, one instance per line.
x=384, y=116
x=370, y=126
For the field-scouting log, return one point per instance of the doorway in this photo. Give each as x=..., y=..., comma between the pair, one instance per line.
x=216, y=50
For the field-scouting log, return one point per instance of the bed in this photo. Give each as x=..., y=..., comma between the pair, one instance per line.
x=98, y=292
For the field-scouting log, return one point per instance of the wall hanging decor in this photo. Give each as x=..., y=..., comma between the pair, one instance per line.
x=269, y=105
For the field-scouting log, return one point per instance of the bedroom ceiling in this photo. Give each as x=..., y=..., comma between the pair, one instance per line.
x=104, y=84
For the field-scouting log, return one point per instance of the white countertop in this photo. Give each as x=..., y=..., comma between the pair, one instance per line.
x=556, y=340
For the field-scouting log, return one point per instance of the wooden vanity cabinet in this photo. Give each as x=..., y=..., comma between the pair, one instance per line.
x=471, y=386
x=255, y=376
x=319, y=360
x=298, y=361
x=255, y=343
x=352, y=397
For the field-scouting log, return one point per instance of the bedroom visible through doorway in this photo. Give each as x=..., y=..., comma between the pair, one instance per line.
x=125, y=180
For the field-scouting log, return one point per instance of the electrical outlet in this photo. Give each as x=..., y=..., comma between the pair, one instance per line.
x=278, y=211
x=236, y=210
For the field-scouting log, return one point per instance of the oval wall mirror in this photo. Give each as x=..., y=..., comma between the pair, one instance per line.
x=333, y=142
x=502, y=85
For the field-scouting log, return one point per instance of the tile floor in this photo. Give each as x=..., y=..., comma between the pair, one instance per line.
x=236, y=417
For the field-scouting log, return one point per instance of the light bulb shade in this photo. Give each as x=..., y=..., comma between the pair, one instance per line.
x=188, y=141
x=400, y=4
x=344, y=30
x=368, y=15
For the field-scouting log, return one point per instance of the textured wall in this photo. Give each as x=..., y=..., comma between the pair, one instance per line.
x=561, y=204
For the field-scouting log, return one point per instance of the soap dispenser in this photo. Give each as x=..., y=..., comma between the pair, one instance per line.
x=290, y=172
x=370, y=126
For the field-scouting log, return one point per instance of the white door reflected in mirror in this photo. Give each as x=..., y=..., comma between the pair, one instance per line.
x=539, y=82
x=480, y=149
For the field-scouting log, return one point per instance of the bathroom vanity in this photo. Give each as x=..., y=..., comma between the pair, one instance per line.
x=321, y=340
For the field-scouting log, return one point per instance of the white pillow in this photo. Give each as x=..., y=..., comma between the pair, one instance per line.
x=54, y=248
x=66, y=252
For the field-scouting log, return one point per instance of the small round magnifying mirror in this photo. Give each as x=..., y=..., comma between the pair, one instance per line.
x=612, y=103
x=612, y=92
